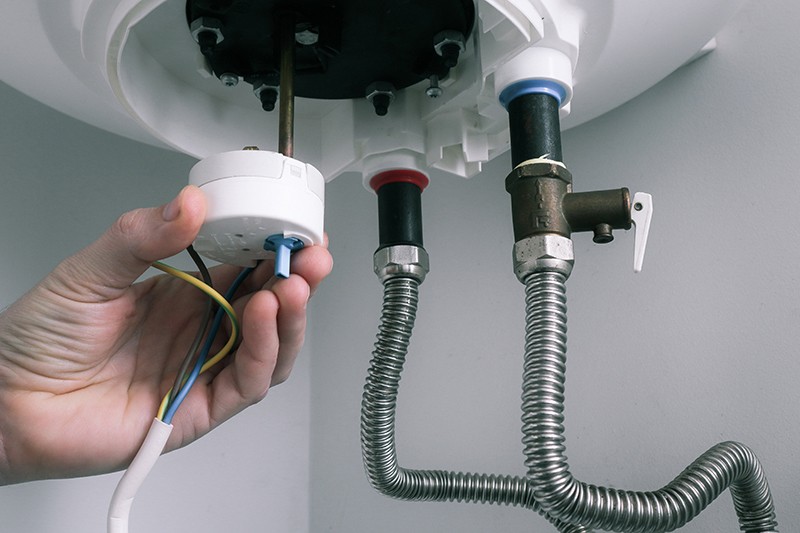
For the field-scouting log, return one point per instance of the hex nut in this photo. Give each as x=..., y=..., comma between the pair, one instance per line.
x=380, y=88
x=443, y=38
x=261, y=86
x=402, y=260
x=538, y=169
x=202, y=24
x=381, y=94
x=540, y=253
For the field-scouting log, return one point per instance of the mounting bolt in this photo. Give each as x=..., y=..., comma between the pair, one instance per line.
x=449, y=45
x=434, y=91
x=381, y=94
x=207, y=32
x=229, y=79
x=268, y=94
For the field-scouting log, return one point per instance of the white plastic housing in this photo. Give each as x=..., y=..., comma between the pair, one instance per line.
x=131, y=66
x=252, y=195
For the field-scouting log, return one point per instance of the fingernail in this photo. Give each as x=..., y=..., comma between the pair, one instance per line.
x=172, y=209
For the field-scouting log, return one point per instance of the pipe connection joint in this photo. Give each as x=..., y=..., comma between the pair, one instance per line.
x=546, y=213
x=537, y=188
x=401, y=261
x=546, y=252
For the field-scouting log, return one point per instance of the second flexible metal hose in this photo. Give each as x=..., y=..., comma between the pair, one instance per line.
x=728, y=464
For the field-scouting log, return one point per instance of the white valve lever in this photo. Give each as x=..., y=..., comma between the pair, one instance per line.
x=641, y=214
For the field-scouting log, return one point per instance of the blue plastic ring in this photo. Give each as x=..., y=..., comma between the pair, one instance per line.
x=515, y=90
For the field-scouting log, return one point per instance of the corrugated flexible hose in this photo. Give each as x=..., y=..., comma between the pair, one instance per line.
x=728, y=464
x=378, y=408
x=550, y=489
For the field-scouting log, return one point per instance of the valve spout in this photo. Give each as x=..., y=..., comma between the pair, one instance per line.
x=599, y=212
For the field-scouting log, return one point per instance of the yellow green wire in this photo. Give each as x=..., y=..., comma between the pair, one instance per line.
x=224, y=305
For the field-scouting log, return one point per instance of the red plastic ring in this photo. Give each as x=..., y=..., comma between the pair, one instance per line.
x=399, y=176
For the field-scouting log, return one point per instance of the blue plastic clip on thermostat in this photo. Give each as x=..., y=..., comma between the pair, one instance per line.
x=283, y=248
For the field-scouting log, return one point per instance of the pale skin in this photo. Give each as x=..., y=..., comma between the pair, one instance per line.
x=87, y=354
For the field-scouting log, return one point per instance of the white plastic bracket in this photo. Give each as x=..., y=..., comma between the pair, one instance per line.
x=641, y=214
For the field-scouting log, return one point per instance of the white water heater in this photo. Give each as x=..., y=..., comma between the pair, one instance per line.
x=136, y=68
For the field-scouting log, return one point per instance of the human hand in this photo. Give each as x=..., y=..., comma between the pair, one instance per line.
x=87, y=355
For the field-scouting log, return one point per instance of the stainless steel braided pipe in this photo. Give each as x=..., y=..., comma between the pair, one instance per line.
x=378, y=408
x=728, y=464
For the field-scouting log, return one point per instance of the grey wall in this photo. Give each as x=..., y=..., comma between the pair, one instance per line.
x=698, y=348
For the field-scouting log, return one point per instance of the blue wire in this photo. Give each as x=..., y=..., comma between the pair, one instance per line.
x=173, y=407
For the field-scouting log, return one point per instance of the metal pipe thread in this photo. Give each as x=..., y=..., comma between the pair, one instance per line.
x=728, y=464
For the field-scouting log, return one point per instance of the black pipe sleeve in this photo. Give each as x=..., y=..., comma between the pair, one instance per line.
x=534, y=127
x=399, y=214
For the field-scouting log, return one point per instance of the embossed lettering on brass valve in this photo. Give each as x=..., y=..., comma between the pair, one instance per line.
x=537, y=190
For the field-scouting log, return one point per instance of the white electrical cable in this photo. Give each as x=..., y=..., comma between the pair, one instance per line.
x=120, y=508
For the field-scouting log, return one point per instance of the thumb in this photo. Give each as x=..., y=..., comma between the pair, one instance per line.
x=137, y=239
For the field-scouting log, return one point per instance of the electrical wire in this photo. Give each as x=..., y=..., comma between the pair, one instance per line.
x=202, y=365
x=225, y=308
x=168, y=407
x=172, y=407
x=188, y=278
x=161, y=428
x=186, y=364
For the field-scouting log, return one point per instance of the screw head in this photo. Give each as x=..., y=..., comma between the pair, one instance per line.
x=229, y=79
x=434, y=92
x=306, y=37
